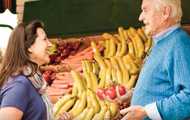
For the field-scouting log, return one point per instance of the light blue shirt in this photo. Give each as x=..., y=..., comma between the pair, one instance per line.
x=164, y=81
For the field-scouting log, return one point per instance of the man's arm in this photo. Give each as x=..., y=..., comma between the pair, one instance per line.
x=177, y=106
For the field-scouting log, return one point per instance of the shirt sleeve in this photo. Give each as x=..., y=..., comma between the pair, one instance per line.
x=177, y=106
x=15, y=95
x=152, y=111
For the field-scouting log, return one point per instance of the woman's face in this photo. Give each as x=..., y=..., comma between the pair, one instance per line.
x=39, y=50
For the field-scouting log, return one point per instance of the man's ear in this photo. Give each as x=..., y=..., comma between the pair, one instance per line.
x=167, y=12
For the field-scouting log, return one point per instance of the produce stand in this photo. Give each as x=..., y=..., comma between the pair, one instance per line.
x=93, y=57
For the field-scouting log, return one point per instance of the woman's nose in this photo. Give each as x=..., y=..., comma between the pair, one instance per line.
x=49, y=43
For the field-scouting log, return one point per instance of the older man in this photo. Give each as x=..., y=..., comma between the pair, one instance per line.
x=163, y=88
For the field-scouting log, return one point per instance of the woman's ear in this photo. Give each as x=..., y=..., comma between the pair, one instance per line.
x=30, y=50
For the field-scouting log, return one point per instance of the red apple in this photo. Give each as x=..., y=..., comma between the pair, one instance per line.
x=121, y=90
x=100, y=92
x=111, y=92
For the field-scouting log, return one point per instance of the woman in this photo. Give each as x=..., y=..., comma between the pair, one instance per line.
x=22, y=94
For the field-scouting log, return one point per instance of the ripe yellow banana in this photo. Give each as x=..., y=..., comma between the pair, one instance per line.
x=119, y=45
x=66, y=106
x=107, y=35
x=140, y=46
x=114, y=109
x=148, y=44
x=106, y=48
x=102, y=77
x=112, y=48
x=95, y=49
x=130, y=65
x=108, y=73
x=79, y=81
x=142, y=34
x=94, y=81
x=114, y=75
x=100, y=115
x=96, y=68
x=80, y=105
x=118, y=70
x=124, y=70
x=93, y=101
x=100, y=61
x=90, y=114
x=131, y=37
x=123, y=49
x=131, y=47
x=58, y=105
x=82, y=115
x=132, y=82
x=89, y=67
x=89, y=82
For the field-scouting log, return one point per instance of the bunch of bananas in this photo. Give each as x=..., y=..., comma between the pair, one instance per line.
x=83, y=104
x=120, y=62
x=122, y=57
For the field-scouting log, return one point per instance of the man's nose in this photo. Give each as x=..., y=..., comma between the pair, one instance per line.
x=141, y=17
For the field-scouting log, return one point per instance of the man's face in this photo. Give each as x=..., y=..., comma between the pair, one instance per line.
x=150, y=16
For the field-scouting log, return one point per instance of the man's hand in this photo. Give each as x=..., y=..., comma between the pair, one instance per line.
x=133, y=113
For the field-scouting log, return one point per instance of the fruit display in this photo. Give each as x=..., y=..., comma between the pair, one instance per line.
x=57, y=74
x=111, y=72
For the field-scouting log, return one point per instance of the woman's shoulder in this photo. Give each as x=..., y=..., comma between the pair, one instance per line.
x=19, y=80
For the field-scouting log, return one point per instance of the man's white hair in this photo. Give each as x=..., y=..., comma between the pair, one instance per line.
x=175, y=6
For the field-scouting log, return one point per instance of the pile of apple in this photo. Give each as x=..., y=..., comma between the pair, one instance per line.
x=112, y=92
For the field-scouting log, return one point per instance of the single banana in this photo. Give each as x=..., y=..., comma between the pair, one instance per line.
x=119, y=45
x=96, y=68
x=114, y=109
x=82, y=115
x=148, y=44
x=140, y=46
x=94, y=80
x=80, y=105
x=88, y=65
x=102, y=76
x=130, y=65
x=66, y=106
x=95, y=49
x=100, y=115
x=58, y=105
x=123, y=49
x=124, y=70
x=142, y=34
x=118, y=70
x=112, y=48
x=100, y=61
x=106, y=48
x=90, y=114
x=132, y=82
x=131, y=37
x=93, y=101
x=108, y=73
x=131, y=49
x=79, y=81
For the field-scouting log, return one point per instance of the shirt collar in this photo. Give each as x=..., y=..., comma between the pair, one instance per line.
x=165, y=33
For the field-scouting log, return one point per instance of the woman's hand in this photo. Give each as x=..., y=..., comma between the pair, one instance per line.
x=65, y=116
x=133, y=113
